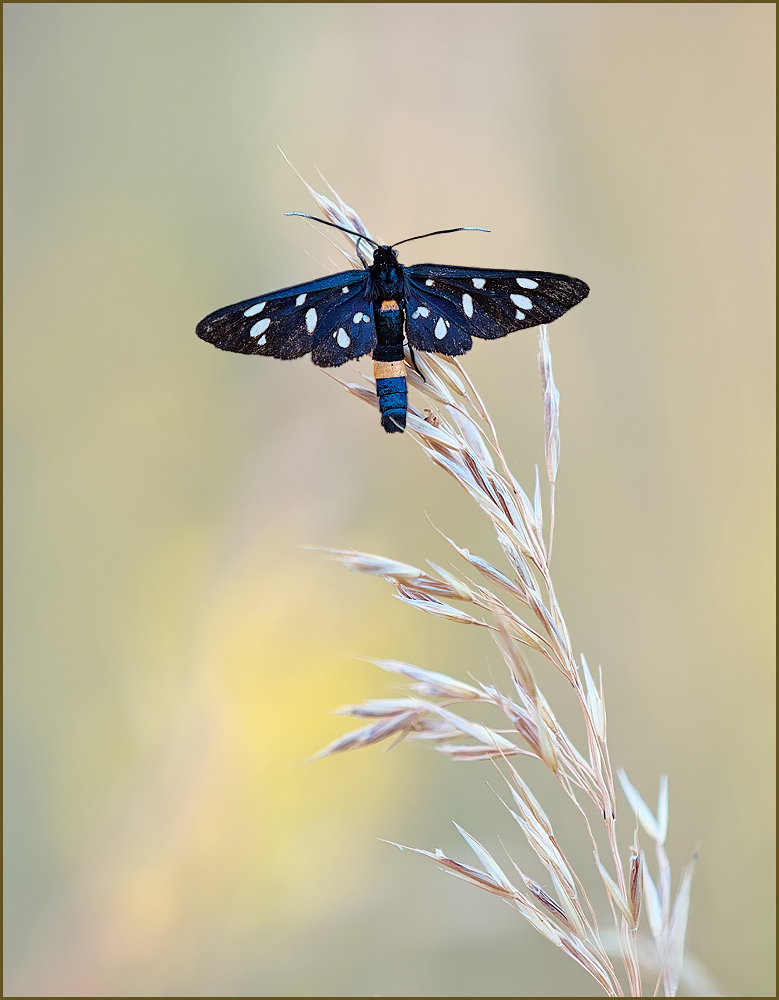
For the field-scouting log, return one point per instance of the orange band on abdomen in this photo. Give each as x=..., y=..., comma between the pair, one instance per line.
x=389, y=369
x=388, y=305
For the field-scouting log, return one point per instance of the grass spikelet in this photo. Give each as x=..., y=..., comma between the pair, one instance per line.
x=452, y=426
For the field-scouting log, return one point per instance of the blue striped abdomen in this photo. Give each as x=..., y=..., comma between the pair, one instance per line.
x=389, y=368
x=393, y=399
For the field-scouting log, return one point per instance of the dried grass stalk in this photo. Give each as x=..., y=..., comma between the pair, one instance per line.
x=453, y=428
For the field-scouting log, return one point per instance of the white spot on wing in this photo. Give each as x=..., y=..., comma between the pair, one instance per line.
x=263, y=340
x=311, y=318
x=366, y=318
x=343, y=338
x=467, y=305
x=357, y=318
x=259, y=328
x=422, y=311
x=255, y=310
x=527, y=283
x=345, y=289
x=520, y=314
x=440, y=328
x=478, y=282
x=522, y=301
x=300, y=299
x=429, y=282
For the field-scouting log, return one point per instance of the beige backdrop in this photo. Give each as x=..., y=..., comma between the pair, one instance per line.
x=174, y=652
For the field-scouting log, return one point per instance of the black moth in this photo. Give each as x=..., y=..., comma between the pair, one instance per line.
x=434, y=307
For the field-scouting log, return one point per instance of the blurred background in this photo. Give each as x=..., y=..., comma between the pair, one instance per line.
x=173, y=652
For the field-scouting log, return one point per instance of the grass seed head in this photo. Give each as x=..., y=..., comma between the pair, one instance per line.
x=454, y=430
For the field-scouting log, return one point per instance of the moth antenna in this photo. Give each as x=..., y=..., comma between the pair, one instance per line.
x=336, y=246
x=343, y=229
x=441, y=232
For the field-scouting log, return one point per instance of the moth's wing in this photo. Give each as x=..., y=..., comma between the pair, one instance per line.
x=489, y=303
x=293, y=321
x=345, y=330
x=434, y=322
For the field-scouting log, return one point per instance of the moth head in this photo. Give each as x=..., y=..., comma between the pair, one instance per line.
x=384, y=255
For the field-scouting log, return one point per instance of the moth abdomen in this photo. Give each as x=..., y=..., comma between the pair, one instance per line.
x=393, y=395
x=389, y=369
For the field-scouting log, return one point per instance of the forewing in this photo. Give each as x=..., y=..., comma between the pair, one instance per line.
x=294, y=321
x=486, y=303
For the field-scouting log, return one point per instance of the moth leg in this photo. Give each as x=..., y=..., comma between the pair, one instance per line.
x=363, y=261
x=413, y=362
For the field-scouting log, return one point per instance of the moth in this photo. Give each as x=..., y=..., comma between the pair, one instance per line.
x=432, y=307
